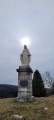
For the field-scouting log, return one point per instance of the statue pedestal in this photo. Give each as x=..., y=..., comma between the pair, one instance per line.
x=24, y=83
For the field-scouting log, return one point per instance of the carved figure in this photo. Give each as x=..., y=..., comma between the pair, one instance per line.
x=25, y=57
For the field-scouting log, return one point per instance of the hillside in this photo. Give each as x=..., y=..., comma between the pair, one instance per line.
x=7, y=91
x=41, y=109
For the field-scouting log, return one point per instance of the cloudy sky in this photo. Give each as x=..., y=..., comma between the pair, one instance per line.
x=26, y=18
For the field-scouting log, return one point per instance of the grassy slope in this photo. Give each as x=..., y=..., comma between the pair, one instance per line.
x=30, y=110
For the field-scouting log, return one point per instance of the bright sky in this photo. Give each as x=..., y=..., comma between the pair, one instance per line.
x=26, y=18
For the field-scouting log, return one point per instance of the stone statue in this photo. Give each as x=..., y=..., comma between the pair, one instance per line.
x=25, y=77
x=25, y=57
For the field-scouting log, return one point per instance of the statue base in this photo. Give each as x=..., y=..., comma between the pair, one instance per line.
x=24, y=83
x=24, y=99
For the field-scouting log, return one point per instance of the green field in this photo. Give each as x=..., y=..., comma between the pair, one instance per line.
x=41, y=109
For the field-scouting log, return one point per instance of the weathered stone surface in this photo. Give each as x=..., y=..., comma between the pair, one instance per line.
x=24, y=99
x=26, y=68
x=24, y=75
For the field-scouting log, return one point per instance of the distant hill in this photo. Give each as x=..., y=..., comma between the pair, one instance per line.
x=8, y=91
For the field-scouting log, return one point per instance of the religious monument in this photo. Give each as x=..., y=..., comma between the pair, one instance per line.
x=25, y=77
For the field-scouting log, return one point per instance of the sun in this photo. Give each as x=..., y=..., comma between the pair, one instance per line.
x=25, y=41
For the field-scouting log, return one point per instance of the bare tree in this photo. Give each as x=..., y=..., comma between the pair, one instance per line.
x=49, y=80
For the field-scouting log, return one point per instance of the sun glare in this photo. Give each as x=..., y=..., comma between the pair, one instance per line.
x=25, y=41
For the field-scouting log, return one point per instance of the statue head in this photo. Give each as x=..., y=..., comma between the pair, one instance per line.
x=25, y=46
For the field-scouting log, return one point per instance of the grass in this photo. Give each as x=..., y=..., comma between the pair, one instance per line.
x=41, y=109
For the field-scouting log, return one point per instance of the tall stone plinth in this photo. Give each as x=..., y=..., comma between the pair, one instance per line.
x=24, y=83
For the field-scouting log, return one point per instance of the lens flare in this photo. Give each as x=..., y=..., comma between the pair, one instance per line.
x=25, y=41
